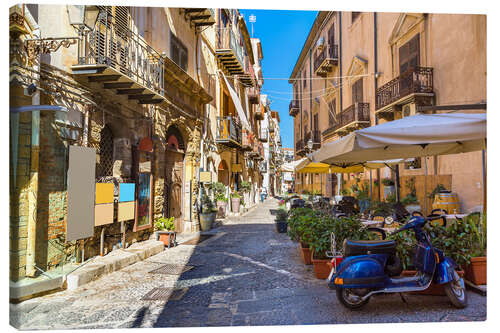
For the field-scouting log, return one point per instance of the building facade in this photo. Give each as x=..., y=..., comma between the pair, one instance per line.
x=360, y=69
x=156, y=95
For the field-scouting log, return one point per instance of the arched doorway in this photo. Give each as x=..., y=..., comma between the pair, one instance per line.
x=223, y=173
x=174, y=176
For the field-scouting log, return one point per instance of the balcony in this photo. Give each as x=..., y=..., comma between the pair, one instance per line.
x=263, y=135
x=414, y=86
x=229, y=51
x=248, y=77
x=293, y=108
x=253, y=95
x=354, y=117
x=121, y=60
x=259, y=113
x=257, y=151
x=247, y=141
x=200, y=17
x=326, y=60
x=228, y=131
x=316, y=139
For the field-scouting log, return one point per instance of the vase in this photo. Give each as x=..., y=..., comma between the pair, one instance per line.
x=221, y=208
x=321, y=267
x=167, y=237
x=235, y=205
x=305, y=251
x=475, y=272
x=281, y=226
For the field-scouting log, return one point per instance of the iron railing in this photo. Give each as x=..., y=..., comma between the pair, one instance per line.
x=355, y=112
x=299, y=146
x=228, y=129
x=293, y=108
x=263, y=134
x=416, y=80
x=253, y=96
x=226, y=39
x=124, y=51
x=330, y=52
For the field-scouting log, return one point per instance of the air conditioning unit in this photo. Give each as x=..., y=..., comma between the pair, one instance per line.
x=408, y=110
x=320, y=43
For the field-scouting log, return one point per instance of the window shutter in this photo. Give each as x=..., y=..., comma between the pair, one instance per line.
x=357, y=91
x=122, y=21
x=409, y=55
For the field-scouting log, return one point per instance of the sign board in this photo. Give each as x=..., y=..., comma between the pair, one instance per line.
x=81, y=193
x=205, y=176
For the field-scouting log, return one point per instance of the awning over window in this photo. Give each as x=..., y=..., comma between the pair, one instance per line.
x=237, y=104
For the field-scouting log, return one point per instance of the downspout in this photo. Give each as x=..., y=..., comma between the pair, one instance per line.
x=375, y=63
x=33, y=182
x=339, y=175
x=202, y=138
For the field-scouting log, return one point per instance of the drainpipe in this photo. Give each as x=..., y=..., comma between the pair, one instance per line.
x=33, y=182
x=375, y=62
x=339, y=175
x=202, y=136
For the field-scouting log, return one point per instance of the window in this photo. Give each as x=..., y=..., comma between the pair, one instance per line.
x=178, y=52
x=409, y=55
x=357, y=92
x=105, y=151
x=332, y=107
x=354, y=16
x=315, y=122
x=304, y=78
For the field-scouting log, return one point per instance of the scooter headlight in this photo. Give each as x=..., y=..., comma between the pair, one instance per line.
x=389, y=220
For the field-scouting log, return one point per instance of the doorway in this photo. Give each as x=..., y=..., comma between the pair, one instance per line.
x=174, y=176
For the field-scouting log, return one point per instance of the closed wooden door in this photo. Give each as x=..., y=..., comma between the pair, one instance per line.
x=174, y=165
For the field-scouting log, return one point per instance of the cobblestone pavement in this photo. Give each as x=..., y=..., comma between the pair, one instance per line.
x=246, y=274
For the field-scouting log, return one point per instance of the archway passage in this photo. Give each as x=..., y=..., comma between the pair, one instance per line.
x=223, y=173
x=174, y=175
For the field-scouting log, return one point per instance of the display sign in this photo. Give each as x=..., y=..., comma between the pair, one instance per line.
x=205, y=176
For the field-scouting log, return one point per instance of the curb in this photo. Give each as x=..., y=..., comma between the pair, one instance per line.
x=114, y=261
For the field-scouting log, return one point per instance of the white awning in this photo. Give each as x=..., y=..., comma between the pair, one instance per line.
x=237, y=104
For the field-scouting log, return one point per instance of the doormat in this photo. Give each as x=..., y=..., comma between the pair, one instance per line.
x=196, y=241
x=171, y=269
x=164, y=294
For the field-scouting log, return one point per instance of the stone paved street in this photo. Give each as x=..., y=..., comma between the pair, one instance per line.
x=246, y=274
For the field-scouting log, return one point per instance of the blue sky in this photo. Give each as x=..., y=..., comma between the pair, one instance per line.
x=282, y=34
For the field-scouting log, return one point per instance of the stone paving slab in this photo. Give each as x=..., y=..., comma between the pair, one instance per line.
x=247, y=274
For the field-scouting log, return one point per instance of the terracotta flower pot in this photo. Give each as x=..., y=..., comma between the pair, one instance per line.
x=167, y=237
x=221, y=208
x=475, y=272
x=305, y=251
x=434, y=289
x=235, y=205
x=320, y=267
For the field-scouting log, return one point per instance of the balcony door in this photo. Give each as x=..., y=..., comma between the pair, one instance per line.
x=409, y=55
x=357, y=92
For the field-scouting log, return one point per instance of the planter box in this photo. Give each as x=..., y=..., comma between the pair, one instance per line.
x=434, y=289
x=235, y=205
x=221, y=208
x=167, y=237
x=475, y=272
x=306, y=254
x=321, y=267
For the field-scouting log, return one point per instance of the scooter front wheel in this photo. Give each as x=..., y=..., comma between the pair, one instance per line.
x=455, y=290
x=350, y=300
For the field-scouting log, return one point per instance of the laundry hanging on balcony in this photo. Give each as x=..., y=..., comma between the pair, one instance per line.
x=237, y=104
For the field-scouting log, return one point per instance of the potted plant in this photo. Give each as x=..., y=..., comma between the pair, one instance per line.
x=166, y=230
x=388, y=187
x=235, y=202
x=220, y=198
x=208, y=213
x=281, y=220
x=299, y=223
x=411, y=201
x=245, y=188
x=475, y=270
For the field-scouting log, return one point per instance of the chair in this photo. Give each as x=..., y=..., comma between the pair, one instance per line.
x=379, y=216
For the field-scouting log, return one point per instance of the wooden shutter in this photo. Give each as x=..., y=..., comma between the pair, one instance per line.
x=409, y=55
x=357, y=91
x=332, y=108
x=122, y=21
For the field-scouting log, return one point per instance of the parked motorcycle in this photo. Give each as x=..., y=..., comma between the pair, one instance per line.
x=372, y=267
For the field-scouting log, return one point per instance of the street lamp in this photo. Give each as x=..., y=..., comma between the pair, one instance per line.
x=310, y=145
x=82, y=15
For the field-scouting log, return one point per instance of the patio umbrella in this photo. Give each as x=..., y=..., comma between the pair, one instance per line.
x=415, y=136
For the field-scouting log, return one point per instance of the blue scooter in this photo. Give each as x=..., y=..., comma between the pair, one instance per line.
x=372, y=267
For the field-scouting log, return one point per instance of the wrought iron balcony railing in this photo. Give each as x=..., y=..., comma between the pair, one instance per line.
x=299, y=147
x=253, y=96
x=247, y=141
x=228, y=131
x=124, y=51
x=263, y=134
x=356, y=115
x=416, y=80
x=325, y=60
x=293, y=108
x=229, y=51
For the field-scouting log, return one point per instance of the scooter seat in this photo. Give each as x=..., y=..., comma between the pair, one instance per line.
x=360, y=247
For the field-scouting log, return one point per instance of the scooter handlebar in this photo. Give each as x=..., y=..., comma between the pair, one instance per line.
x=426, y=219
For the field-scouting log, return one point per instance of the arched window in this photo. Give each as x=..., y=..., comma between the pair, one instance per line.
x=105, y=162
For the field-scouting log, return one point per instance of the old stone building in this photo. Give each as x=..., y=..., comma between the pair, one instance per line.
x=157, y=95
x=359, y=69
